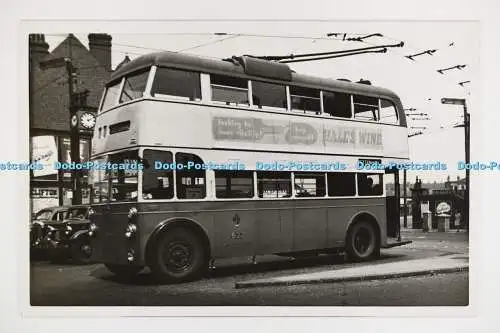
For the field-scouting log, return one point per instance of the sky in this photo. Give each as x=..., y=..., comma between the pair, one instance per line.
x=418, y=83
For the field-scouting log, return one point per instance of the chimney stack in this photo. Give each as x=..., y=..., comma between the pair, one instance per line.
x=100, y=48
x=38, y=47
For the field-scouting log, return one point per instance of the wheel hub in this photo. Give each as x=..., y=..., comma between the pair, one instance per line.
x=178, y=256
x=362, y=241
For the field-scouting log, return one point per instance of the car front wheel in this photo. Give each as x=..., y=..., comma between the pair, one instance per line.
x=81, y=250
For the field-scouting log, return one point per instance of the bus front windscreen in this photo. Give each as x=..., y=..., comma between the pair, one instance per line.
x=117, y=172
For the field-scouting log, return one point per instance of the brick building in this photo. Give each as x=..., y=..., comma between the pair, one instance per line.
x=49, y=113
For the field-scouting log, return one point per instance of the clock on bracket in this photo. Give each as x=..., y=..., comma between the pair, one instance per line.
x=87, y=120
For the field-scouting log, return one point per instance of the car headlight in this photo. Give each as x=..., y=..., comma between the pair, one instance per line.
x=91, y=212
x=50, y=230
x=132, y=212
x=68, y=230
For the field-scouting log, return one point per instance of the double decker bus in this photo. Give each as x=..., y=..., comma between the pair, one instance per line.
x=209, y=159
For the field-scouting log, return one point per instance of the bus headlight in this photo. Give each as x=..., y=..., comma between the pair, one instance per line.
x=132, y=212
x=92, y=229
x=131, y=255
x=131, y=230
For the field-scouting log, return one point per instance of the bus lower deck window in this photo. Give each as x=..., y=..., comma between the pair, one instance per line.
x=370, y=184
x=274, y=184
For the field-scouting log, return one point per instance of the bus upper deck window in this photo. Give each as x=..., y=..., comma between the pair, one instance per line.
x=305, y=99
x=269, y=94
x=174, y=82
x=388, y=114
x=365, y=107
x=337, y=104
x=134, y=86
x=229, y=90
x=111, y=95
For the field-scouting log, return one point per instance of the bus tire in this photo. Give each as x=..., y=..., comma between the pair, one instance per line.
x=362, y=242
x=178, y=256
x=124, y=271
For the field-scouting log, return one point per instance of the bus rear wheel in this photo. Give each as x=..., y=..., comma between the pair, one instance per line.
x=362, y=242
x=179, y=256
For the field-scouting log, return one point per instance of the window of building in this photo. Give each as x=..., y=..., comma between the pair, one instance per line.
x=365, y=107
x=190, y=183
x=309, y=184
x=134, y=86
x=157, y=183
x=388, y=113
x=234, y=184
x=337, y=104
x=229, y=90
x=274, y=184
x=305, y=99
x=269, y=94
x=111, y=95
x=341, y=184
x=370, y=184
x=174, y=82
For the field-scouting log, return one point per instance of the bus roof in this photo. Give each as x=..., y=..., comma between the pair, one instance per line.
x=246, y=67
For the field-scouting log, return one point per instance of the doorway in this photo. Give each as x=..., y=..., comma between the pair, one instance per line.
x=392, y=202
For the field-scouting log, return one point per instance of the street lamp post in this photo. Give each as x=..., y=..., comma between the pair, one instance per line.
x=462, y=102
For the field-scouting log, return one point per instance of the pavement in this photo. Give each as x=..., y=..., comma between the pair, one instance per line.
x=453, y=257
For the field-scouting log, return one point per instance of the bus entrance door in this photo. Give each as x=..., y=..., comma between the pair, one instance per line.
x=391, y=181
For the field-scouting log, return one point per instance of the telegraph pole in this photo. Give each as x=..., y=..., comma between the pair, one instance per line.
x=405, y=218
x=462, y=102
x=467, y=161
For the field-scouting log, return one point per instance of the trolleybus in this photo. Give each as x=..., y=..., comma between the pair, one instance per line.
x=209, y=159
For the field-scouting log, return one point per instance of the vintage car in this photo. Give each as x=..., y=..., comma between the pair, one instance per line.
x=62, y=232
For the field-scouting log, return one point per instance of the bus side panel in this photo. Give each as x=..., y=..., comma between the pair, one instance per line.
x=268, y=223
x=310, y=225
x=234, y=233
x=286, y=225
x=338, y=219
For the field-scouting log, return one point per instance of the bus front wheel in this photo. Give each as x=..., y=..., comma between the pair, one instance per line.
x=179, y=256
x=362, y=242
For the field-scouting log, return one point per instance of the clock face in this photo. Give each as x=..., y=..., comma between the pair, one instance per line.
x=74, y=121
x=87, y=120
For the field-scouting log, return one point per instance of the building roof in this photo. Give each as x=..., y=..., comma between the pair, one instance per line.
x=50, y=95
